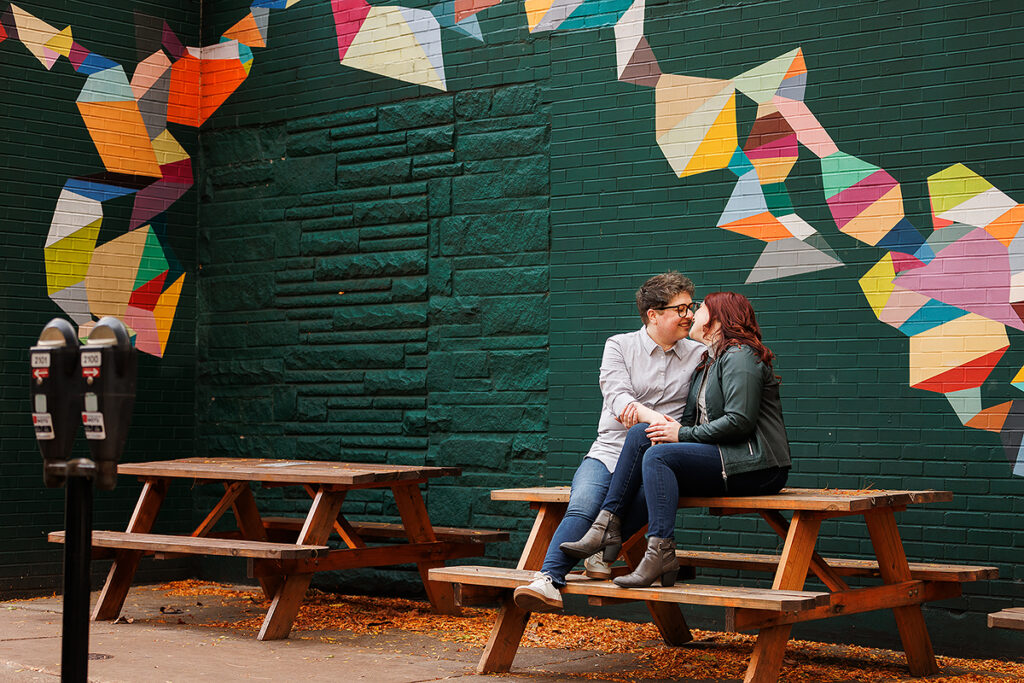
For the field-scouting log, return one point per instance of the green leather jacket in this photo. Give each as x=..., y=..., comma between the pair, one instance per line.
x=744, y=412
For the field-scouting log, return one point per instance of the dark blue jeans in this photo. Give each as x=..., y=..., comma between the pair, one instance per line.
x=589, y=486
x=671, y=470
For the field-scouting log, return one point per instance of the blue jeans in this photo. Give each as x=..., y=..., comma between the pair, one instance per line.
x=589, y=486
x=671, y=470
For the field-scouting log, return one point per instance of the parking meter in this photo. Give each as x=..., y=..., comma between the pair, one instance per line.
x=109, y=365
x=56, y=401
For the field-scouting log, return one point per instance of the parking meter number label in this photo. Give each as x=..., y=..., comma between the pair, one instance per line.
x=92, y=359
x=93, y=423
x=43, y=423
x=40, y=360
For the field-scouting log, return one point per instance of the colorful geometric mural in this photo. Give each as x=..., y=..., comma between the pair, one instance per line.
x=133, y=276
x=400, y=42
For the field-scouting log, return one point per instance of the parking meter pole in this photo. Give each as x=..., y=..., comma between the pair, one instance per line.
x=74, y=665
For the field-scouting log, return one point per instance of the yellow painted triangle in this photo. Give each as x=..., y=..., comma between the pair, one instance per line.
x=167, y=149
x=953, y=186
x=164, y=311
x=33, y=33
x=62, y=42
x=67, y=260
x=1019, y=377
x=877, y=284
x=719, y=143
x=535, y=11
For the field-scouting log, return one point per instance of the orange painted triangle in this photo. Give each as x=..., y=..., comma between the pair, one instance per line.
x=246, y=32
x=991, y=419
x=966, y=376
x=1005, y=227
x=797, y=66
x=763, y=226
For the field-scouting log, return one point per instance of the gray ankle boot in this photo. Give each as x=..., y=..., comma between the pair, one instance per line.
x=659, y=562
x=605, y=533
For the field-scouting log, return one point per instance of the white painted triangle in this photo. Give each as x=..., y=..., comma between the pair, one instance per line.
x=72, y=213
x=981, y=209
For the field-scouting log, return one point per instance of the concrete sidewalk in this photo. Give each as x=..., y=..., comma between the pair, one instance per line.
x=156, y=641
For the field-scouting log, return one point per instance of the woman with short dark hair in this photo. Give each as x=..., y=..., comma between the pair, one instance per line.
x=730, y=440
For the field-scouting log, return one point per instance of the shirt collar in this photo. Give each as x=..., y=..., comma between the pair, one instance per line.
x=679, y=348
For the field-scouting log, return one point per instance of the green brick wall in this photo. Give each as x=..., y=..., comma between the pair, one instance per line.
x=43, y=143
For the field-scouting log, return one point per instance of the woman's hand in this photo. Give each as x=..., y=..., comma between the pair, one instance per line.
x=629, y=416
x=666, y=431
x=645, y=414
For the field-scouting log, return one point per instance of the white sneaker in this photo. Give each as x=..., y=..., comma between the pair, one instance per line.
x=538, y=596
x=596, y=568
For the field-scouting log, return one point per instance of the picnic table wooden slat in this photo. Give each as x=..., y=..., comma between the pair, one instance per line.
x=192, y=545
x=923, y=571
x=683, y=593
x=787, y=499
x=283, y=471
x=1011, y=618
x=366, y=529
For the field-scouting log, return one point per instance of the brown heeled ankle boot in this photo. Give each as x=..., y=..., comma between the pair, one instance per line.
x=605, y=533
x=659, y=562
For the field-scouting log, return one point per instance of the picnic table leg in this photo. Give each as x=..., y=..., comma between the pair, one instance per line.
x=417, y=525
x=766, y=661
x=317, y=527
x=667, y=617
x=251, y=525
x=119, y=579
x=508, y=629
x=892, y=565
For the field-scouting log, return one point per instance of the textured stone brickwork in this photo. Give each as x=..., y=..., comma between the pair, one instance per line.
x=374, y=288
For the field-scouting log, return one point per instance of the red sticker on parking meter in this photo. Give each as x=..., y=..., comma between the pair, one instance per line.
x=93, y=424
x=43, y=423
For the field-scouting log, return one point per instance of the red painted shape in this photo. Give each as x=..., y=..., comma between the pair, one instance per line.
x=349, y=16
x=147, y=296
x=966, y=376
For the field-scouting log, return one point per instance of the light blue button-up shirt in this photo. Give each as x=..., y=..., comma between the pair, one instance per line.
x=635, y=368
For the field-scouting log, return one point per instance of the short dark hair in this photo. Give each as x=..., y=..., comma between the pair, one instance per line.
x=661, y=289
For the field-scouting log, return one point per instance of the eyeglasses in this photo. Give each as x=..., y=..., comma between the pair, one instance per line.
x=683, y=309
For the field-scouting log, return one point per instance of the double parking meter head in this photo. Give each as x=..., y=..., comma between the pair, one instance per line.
x=108, y=370
x=56, y=402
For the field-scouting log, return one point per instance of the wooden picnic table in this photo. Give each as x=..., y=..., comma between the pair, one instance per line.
x=286, y=552
x=771, y=612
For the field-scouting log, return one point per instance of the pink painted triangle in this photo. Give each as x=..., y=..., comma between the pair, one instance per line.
x=852, y=201
x=78, y=55
x=902, y=262
x=154, y=199
x=783, y=147
x=973, y=273
x=51, y=57
x=349, y=16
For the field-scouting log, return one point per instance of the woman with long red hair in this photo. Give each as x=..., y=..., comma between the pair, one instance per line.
x=730, y=440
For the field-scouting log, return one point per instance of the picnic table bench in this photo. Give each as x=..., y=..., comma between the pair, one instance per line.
x=285, y=552
x=1011, y=617
x=769, y=611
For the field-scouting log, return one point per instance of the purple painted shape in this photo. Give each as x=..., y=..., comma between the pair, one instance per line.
x=973, y=273
x=783, y=147
x=852, y=201
x=172, y=44
x=349, y=16
x=154, y=200
x=78, y=55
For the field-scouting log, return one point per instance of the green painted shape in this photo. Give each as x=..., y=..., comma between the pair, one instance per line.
x=109, y=85
x=840, y=170
x=777, y=198
x=953, y=186
x=966, y=403
x=153, y=261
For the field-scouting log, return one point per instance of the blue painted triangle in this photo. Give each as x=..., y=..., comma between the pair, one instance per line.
x=903, y=238
x=97, y=191
x=109, y=85
x=470, y=26
x=747, y=200
x=740, y=164
x=444, y=13
x=595, y=13
x=929, y=316
x=94, y=63
x=270, y=4
x=924, y=254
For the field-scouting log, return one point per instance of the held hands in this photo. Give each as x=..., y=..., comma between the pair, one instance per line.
x=664, y=431
x=629, y=415
x=637, y=412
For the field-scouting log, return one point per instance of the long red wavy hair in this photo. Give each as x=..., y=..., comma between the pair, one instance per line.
x=739, y=326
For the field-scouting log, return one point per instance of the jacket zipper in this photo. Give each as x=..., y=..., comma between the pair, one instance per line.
x=725, y=477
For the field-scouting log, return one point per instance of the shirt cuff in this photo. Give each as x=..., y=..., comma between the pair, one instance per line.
x=620, y=402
